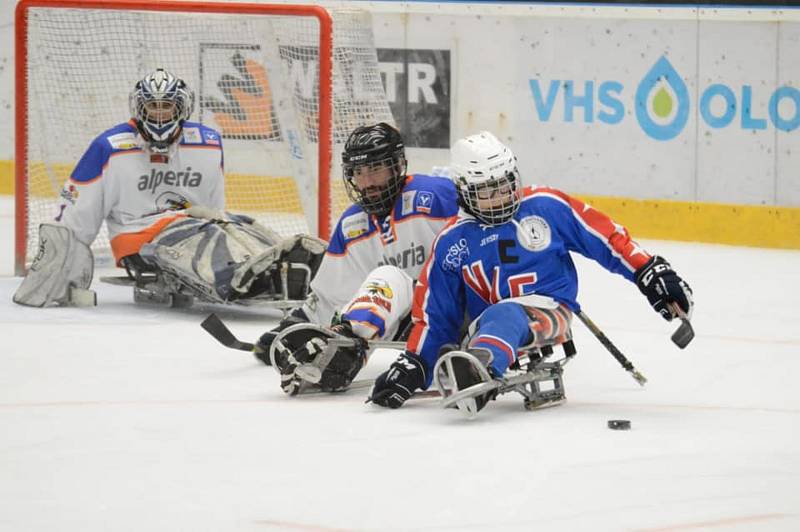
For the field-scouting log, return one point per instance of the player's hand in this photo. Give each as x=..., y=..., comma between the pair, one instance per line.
x=264, y=343
x=663, y=287
x=395, y=387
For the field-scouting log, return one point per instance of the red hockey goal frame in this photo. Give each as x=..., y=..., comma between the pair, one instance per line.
x=21, y=87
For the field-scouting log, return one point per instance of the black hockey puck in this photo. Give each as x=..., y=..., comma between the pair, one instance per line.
x=619, y=424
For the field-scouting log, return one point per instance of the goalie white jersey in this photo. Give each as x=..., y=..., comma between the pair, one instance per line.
x=361, y=243
x=137, y=192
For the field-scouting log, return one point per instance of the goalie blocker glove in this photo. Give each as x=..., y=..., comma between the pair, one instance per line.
x=395, y=386
x=662, y=286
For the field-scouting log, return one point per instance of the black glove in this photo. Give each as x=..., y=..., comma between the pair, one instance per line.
x=343, y=366
x=263, y=344
x=394, y=387
x=662, y=286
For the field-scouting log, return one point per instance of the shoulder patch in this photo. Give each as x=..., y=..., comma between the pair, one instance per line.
x=191, y=135
x=122, y=141
x=355, y=225
x=408, y=202
x=424, y=201
x=533, y=232
x=211, y=137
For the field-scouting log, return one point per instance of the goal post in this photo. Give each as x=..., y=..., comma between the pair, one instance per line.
x=284, y=84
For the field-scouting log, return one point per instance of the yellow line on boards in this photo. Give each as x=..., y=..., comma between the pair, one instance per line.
x=739, y=225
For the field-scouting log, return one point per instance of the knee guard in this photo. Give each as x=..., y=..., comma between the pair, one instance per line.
x=381, y=303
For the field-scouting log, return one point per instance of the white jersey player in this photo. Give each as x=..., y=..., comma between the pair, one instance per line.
x=365, y=282
x=157, y=181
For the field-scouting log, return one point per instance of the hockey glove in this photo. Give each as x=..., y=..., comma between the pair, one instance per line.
x=663, y=287
x=395, y=387
x=263, y=344
x=337, y=373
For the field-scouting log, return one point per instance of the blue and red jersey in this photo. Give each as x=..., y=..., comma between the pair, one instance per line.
x=474, y=265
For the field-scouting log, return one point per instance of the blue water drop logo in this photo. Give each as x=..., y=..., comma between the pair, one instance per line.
x=662, y=102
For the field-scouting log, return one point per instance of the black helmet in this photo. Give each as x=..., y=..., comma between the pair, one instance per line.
x=375, y=146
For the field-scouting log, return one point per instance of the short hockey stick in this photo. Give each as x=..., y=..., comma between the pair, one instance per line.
x=624, y=362
x=214, y=326
x=685, y=333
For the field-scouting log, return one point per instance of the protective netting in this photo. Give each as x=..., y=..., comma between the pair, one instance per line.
x=255, y=78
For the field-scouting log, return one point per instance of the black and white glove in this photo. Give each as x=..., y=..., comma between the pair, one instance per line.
x=343, y=366
x=663, y=287
x=395, y=386
x=263, y=344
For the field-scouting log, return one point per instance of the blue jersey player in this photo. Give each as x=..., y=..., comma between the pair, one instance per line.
x=505, y=263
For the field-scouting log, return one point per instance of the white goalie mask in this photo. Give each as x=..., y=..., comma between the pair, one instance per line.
x=160, y=103
x=486, y=176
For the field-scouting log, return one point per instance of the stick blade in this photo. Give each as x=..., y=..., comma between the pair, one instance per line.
x=214, y=326
x=683, y=334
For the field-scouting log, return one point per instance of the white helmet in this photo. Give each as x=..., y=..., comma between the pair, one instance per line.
x=486, y=176
x=160, y=103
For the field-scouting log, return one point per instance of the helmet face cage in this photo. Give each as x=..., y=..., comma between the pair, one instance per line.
x=370, y=148
x=160, y=103
x=493, y=201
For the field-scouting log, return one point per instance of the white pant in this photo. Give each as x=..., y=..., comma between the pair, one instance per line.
x=380, y=303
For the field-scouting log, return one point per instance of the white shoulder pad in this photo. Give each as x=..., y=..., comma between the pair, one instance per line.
x=61, y=272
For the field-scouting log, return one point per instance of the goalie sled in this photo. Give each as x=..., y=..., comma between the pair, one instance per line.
x=165, y=289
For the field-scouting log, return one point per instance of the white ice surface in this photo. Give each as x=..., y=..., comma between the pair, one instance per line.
x=130, y=418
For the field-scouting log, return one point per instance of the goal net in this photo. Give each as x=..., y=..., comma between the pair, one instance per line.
x=284, y=84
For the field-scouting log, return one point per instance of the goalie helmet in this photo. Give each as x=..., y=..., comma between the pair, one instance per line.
x=374, y=167
x=486, y=176
x=160, y=103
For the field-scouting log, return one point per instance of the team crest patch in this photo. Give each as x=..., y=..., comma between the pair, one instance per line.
x=408, y=202
x=123, y=141
x=424, y=201
x=355, y=225
x=380, y=287
x=191, y=135
x=211, y=137
x=70, y=193
x=533, y=233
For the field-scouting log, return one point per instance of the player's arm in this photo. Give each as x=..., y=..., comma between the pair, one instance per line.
x=596, y=236
x=340, y=274
x=437, y=314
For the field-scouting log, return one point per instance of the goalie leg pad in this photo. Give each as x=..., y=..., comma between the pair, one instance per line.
x=287, y=267
x=218, y=260
x=197, y=253
x=61, y=272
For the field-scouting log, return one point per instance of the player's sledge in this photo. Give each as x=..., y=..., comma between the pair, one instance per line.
x=464, y=382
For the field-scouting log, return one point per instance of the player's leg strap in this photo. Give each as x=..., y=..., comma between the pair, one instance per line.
x=61, y=272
